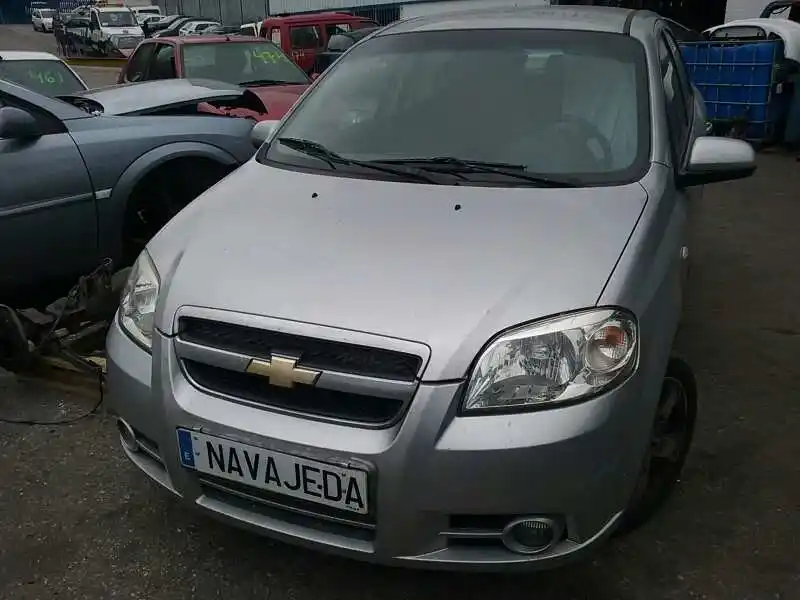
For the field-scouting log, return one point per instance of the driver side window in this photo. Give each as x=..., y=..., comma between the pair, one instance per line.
x=137, y=66
x=95, y=22
x=675, y=101
x=163, y=64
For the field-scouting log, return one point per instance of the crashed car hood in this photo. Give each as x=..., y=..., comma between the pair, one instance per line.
x=443, y=265
x=139, y=97
x=278, y=98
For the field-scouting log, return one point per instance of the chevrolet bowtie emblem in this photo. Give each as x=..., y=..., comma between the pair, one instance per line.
x=282, y=371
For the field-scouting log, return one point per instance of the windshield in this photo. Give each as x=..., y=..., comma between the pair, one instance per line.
x=117, y=18
x=239, y=62
x=46, y=13
x=48, y=77
x=561, y=103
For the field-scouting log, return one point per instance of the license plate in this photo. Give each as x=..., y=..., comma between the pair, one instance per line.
x=309, y=480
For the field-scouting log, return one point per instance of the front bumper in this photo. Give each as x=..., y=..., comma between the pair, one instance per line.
x=437, y=478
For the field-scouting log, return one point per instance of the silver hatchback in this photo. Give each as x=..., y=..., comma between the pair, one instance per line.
x=431, y=322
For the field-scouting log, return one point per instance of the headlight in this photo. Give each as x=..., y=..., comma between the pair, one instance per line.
x=562, y=359
x=137, y=308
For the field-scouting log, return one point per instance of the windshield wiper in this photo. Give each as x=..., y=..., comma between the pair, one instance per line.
x=451, y=164
x=319, y=151
x=263, y=82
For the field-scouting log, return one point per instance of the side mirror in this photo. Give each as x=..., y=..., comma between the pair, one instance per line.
x=17, y=124
x=262, y=132
x=715, y=159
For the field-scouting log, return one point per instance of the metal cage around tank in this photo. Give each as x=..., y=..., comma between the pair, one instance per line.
x=743, y=85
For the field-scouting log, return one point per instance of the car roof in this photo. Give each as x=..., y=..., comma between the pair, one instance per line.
x=314, y=17
x=581, y=18
x=26, y=55
x=111, y=8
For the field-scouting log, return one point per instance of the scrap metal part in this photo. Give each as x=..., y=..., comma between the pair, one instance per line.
x=69, y=332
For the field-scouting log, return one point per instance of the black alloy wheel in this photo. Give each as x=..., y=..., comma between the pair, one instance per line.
x=670, y=440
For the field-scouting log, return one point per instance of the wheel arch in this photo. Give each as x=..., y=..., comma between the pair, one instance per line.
x=111, y=212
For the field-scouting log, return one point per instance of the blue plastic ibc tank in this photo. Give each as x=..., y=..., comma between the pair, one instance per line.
x=763, y=57
x=689, y=52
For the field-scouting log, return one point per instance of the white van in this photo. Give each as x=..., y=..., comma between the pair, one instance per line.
x=116, y=25
x=144, y=11
x=42, y=19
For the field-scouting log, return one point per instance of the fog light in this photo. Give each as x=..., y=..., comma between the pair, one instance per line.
x=127, y=436
x=531, y=535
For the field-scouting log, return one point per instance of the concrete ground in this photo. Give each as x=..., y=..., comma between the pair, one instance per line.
x=78, y=521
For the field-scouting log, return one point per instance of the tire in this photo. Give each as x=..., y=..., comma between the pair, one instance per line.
x=669, y=445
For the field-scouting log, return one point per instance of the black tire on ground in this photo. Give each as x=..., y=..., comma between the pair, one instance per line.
x=673, y=429
x=162, y=194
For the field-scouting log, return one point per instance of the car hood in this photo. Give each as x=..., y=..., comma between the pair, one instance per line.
x=446, y=266
x=278, y=98
x=128, y=98
x=128, y=30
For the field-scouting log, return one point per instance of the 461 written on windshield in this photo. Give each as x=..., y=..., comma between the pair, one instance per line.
x=46, y=77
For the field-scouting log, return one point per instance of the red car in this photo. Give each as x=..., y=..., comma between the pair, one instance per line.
x=305, y=35
x=255, y=63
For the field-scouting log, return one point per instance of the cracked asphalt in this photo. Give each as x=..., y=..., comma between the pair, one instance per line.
x=78, y=521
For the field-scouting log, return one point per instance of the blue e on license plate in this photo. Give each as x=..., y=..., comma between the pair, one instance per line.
x=310, y=480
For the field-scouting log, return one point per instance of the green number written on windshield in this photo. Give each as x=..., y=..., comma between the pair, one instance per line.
x=46, y=77
x=268, y=56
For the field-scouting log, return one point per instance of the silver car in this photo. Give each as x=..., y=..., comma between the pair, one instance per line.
x=431, y=322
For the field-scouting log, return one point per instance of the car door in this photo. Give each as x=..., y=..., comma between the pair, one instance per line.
x=48, y=221
x=138, y=63
x=77, y=30
x=95, y=30
x=305, y=42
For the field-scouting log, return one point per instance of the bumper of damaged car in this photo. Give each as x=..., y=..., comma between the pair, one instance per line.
x=442, y=487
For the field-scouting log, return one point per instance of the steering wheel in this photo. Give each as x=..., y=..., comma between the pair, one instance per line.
x=584, y=138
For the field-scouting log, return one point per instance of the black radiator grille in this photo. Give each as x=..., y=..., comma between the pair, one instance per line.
x=301, y=398
x=313, y=353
